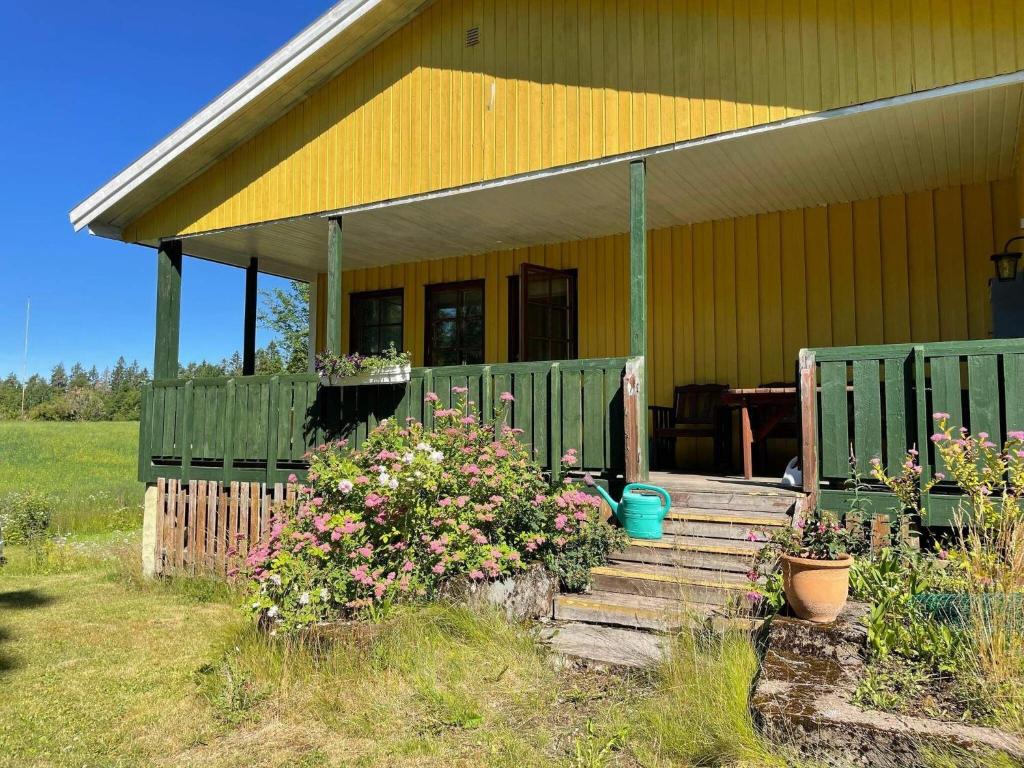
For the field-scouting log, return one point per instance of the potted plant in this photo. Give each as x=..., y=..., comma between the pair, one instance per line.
x=814, y=557
x=389, y=367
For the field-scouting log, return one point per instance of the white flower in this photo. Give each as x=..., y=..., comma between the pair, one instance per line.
x=393, y=483
x=304, y=598
x=425, y=447
x=345, y=486
x=436, y=456
x=325, y=594
x=272, y=612
x=276, y=579
x=408, y=457
x=255, y=606
x=384, y=478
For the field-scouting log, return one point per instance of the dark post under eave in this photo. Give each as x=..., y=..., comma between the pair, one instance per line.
x=168, y=310
x=249, y=332
x=636, y=383
x=334, y=286
x=637, y=258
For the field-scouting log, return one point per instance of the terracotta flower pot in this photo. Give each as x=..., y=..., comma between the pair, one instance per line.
x=816, y=590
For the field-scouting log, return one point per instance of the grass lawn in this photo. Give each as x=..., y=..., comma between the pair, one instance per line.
x=88, y=468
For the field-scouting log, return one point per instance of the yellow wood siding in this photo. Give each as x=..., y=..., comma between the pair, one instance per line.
x=554, y=82
x=732, y=301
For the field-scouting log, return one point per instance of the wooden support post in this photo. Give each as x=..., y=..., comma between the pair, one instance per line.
x=638, y=258
x=334, y=286
x=168, y=310
x=808, y=382
x=634, y=401
x=249, y=330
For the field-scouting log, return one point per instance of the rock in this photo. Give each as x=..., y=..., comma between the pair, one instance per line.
x=804, y=696
x=524, y=596
x=599, y=645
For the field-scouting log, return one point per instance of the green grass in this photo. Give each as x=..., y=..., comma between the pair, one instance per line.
x=88, y=468
x=102, y=668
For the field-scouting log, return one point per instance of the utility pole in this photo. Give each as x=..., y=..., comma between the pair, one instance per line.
x=24, y=359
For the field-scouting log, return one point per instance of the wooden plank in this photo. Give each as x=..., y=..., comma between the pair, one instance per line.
x=486, y=395
x=594, y=419
x=921, y=415
x=199, y=510
x=835, y=428
x=630, y=387
x=187, y=419
x=273, y=417
x=1013, y=387
x=145, y=433
x=807, y=379
x=334, y=286
x=168, y=310
x=897, y=423
x=229, y=429
x=161, y=520
x=867, y=413
x=946, y=392
x=191, y=525
x=983, y=396
x=179, y=524
x=571, y=407
x=555, y=422
x=638, y=258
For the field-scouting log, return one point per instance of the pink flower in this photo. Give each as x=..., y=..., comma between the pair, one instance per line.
x=460, y=390
x=754, y=597
x=560, y=522
x=940, y=416
x=938, y=437
x=374, y=500
x=753, y=536
x=506, y=397
x=407, y=566
x=1016, y=435
x=292, y=478
x=431, y=397
x=753, y=575
x=476, y=575
x=438, y=569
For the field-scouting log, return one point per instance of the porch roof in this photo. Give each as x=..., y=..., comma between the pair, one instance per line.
x=960, y=134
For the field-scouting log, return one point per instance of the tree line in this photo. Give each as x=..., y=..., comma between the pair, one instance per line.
x=115, y=394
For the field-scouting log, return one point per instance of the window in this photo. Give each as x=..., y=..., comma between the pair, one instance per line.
x=375, y=321
x=542, y=320
x=455, y=323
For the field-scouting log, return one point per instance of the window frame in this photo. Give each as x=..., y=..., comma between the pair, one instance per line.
x=354, y=327
x=429, y=320
x=515, y=332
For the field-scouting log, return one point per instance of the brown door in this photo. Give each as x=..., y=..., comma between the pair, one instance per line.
x=547, y=314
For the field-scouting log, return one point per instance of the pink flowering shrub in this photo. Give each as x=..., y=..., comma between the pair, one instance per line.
x=414, y=508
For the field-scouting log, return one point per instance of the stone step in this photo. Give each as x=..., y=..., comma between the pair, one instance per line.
x=692, y=551
x=617, y=646
x=693, y=585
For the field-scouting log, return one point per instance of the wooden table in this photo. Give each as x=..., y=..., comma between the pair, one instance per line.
x=772, y=403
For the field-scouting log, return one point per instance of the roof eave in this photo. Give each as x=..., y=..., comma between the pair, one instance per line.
x=228, y=105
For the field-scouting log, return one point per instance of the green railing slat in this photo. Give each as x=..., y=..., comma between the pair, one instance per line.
x=983, y=396
x=1013, y=375
x=896, y=423
x=867, y=414
x=594, y=415
x=835, y=437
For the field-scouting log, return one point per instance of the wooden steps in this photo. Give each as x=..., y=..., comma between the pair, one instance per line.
x=696, y=573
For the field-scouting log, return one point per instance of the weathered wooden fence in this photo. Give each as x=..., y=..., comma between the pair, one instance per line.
x=258, y=428
x=877, y=402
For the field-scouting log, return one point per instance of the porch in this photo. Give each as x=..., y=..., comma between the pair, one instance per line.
x=713, y=261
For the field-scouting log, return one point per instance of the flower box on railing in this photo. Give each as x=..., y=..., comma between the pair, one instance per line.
x=397, y=374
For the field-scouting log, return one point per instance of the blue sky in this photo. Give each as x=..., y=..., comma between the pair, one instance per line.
x=86, y=89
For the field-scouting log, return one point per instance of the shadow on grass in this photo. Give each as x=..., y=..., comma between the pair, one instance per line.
x=21, y=599
x=7, y=661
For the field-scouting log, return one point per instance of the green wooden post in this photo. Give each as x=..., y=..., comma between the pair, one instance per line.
x=638, y=258
x=555, y=418
x=334, y=286
x=249, y=328
x=168, y=310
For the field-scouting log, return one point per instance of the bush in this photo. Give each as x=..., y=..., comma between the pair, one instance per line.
x=54, y=409
x=415, y=508
x=25, y=517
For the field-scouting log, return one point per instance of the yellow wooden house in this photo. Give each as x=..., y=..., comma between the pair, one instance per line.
x=598, y=203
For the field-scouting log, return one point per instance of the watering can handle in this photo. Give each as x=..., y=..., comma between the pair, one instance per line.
x=660, y=491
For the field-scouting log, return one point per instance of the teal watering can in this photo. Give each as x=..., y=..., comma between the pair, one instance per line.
x=642, y=509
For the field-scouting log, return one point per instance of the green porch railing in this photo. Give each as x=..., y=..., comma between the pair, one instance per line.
x=258, y=428
x=877, y=402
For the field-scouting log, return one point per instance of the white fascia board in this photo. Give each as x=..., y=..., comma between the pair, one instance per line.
x=234, y=100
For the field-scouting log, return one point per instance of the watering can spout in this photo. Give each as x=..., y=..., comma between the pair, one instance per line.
x=611, y=502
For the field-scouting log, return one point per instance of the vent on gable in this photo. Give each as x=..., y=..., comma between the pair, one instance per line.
x=472, y=36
